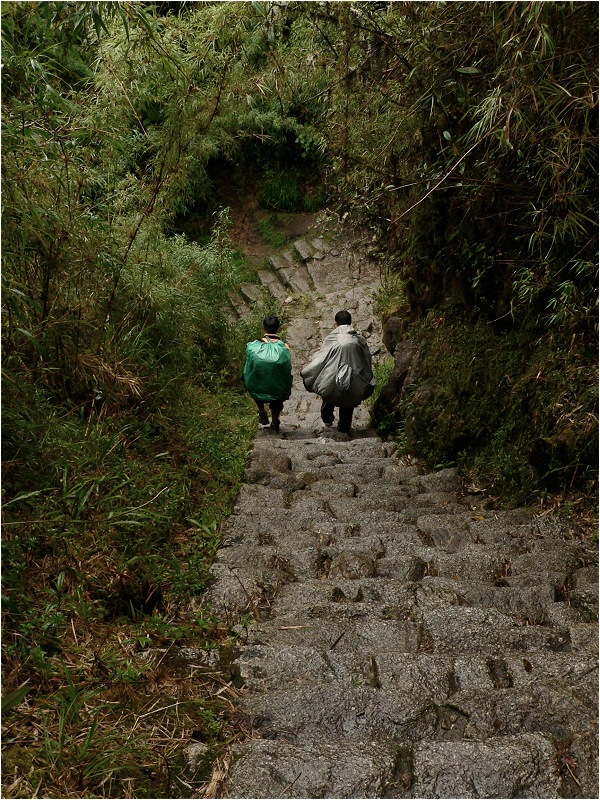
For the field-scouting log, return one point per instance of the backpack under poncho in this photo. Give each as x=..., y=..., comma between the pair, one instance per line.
x=268, y=370
x=341, y=372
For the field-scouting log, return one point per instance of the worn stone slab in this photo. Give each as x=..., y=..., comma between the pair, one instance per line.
x=297, y=278
x=530, y=604
x=303, y=249
x=278, y=262
x=239, y=306
x=463, y=629
x=441, y=676
x=446, y=480
x=252, y=293
x=276, y=769
x=551, y=708
x=342, y=635
x=333, y=713
x=510, y=766
x=273, y=284
x=324, y=272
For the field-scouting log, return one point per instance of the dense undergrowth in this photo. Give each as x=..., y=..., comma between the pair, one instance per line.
x=113, y=508
x=530, y=437
x=462, y=136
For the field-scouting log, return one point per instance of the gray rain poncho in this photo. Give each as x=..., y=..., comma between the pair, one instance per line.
x=341, y=372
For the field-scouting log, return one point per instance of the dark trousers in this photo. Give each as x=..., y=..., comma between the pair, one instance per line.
x=276, y=407
x=345, y=416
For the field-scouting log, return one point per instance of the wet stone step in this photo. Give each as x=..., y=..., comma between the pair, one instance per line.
x=374, y=475
x=274, y=563
x=333, y=712
x=472, y=562
x=549, y=708
x=366, y=710
x=323, y=561
x=344, y=635
x=529, y=605
x=252, y=293
x=321, y=245
x=234, y=592
x=469, y=563
x=304, y=249
x=276, y=769
x=462, y=629
x=317, y=517
x=297, y=278
x=268, y=668
x=239, y=305
x=272, y=283
x=327, y=463
x=509, y=766
x=444, y=676
x=398, y=501
x=338, y=269
x=279, y=262
x=345, y=450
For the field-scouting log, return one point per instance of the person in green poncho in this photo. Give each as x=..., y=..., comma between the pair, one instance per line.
x=268, y=372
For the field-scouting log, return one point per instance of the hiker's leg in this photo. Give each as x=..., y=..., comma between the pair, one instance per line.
x=263, y=417
x=345, y=421
x=327, y=412
x=276, y=407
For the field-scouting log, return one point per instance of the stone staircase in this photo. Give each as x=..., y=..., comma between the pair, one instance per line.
x=405, y=640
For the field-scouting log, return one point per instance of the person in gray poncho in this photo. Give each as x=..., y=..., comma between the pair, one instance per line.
x=340, y=373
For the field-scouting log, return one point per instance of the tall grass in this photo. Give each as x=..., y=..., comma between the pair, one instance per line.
x=113, y=508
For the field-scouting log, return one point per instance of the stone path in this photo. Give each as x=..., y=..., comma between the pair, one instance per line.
x=405, y=641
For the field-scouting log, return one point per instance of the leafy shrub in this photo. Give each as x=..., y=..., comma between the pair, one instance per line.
x=520, y=417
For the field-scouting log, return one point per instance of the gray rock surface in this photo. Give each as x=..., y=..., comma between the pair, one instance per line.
x=404, y=643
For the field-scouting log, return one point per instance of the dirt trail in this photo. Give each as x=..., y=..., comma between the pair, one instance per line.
x=406, y=642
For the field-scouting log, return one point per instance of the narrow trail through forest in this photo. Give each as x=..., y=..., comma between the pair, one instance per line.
x=407, y=640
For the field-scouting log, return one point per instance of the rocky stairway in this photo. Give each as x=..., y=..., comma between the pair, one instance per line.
x=404, y=640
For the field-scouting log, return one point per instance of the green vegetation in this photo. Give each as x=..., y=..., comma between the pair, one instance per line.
x=463, y=136
x=533, y=426
x=125, y=428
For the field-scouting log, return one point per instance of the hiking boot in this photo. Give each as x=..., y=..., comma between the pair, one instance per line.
x=275, y=425
x=263, y=417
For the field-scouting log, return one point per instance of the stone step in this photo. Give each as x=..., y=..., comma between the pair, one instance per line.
x=443, y=676
x=321, y=246
x=363, y=712
x=526, y=765
x=239, y=305
x=464, y=629
x=342, y=634
x=347, y=449
x=278, y=262
x=275, y=768
x=501, y=565
x=338, y=271
x=252, y=293
x=528, y=605
x=383, y=627
x=270, y=280
x=297, y=278
x=304, y=249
